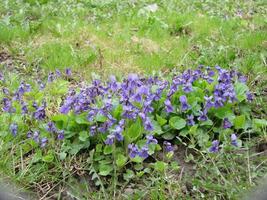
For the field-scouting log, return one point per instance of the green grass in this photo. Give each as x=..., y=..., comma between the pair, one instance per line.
x=190, y=34
x=119, y=37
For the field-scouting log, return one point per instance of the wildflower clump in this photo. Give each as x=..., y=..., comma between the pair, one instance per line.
x=134, y=117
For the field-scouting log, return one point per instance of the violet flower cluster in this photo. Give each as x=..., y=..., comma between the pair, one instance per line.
x=134, y=94
x=142, y=152
x=51, y=128
x=35, y=135
x=29, y=109
x=139, y=98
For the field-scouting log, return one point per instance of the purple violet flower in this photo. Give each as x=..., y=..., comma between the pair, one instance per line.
x=168, y=146
x=68, y=72
x=142, y=116
x=137, y=97
x=187, y=88
x=151, y=140
x=148, y=125
x=218, y=102
x=208, y=79
x=35, y=136
x=29, y=134
x=168, y=106
x=183, y=101
x=203, y=115
x=66, y=107
x=234, y=140
x=143, y=153
x=122, y=122
x=60, y=134
x=133, y=150
x=41, y=85
x=242, y=79
x=118, y=133
x=91, y=115
x=211, y=73
x=58, y=73
x=13, y=129
x=208, y=104
x=190, y=120
x=5, y=91
x=24, y=108
x=110, y=139
x=113, y=83
x=215, y=147
x=51, y=127
x=39, y=114
x=7, y=105
x=17, y=96
x=50, y=77
x=1, y=76
x=249, y=97
x=226, y=123
x=93, y=130
x=43, y=142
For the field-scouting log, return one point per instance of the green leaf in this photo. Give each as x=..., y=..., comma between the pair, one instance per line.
x=206, y=123
x=69, y=134
x=99, y=148
x=60, y=117
x=140, y=174
x=133, y=132
x=240, y=122
x=223, y=112
x=100, y=118
x=121, y=160
x=138, y=166
x=117, y=111
x=225, y=134
x=240, y=89
x=61, y=120
x=106, y=161
x=3, y=133
x=26, y=147
x=137, y=159
x=160, y=166
x=48, y=158
x=259, y=123
x=193, y=130
x=169, y=155
x=105, y=170
x=83, y=136
x=177, y=122
x=151, y=148
x=108, y=149
x=157, y=128
x=196, y=109
x=184, y=132
x=175, y=166
x=202, y=137
x=81, y=119
x=147, y=170
x=161, y=120
x=62, y=155
x=75, y=148
x=168, y=136
x=245, y=110
x=37, y=156
x=128, y=175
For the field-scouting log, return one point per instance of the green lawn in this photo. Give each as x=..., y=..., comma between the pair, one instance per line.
x=119, y=37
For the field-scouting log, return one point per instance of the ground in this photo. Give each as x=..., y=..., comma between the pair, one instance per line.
x=119, y=37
